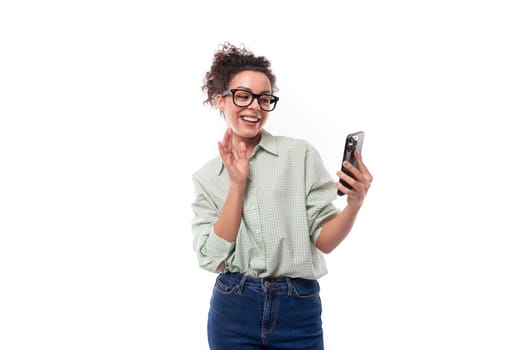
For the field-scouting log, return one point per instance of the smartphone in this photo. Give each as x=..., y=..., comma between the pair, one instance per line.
x=354, y=141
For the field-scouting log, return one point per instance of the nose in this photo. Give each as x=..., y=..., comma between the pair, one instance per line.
x=255, y=100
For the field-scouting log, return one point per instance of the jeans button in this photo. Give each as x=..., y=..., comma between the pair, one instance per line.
x=269, y=283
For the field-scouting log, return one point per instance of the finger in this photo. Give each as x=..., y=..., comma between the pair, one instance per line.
x=352, y=169
x=227, y=141
x=346, y=178
x=222, y=152
x=352, y=193
x=225, y=156
x=360, y=173
x=231, y=141
x=342, y=188
x=362, y=166
x=222, y=149
x=357, y=181
x=242, y=150
x=357, y=155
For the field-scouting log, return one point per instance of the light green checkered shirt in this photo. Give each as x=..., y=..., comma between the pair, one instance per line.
x=288, y=198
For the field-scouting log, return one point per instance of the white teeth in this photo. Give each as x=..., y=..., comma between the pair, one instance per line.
x=253, y=120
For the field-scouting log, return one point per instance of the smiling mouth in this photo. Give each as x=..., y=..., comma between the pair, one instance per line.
x=250, y=119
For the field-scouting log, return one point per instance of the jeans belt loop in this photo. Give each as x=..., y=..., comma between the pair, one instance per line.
x=242, y=283
x=290, y=288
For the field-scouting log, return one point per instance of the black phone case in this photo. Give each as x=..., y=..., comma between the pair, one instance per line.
x=353, y=141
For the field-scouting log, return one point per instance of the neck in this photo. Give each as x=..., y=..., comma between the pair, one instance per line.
x=249, y=142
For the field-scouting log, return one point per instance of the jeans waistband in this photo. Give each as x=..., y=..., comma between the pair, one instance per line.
x=261, y=282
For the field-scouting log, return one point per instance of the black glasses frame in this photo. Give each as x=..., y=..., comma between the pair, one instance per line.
x=273, y=99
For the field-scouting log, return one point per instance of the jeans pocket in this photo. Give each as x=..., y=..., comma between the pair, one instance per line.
x=305, y=289
x=225, y=285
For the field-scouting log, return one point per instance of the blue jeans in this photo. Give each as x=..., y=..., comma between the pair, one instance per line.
x=249, y=313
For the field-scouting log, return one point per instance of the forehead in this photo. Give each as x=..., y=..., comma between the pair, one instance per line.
x=256, y=81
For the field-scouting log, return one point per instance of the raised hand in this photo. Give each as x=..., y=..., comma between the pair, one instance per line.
x=234, y=158
x=360, y=182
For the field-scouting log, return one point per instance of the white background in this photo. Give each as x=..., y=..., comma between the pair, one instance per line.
x=102, y=124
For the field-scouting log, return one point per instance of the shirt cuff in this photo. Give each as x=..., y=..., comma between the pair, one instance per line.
x=220, y=247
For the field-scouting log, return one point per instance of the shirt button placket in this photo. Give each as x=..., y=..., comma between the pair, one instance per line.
x=252, y=215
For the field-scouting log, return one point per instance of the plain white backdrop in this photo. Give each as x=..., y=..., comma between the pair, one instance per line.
x=102, y=124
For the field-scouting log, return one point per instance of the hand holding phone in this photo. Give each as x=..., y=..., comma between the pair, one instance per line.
x=354, y=141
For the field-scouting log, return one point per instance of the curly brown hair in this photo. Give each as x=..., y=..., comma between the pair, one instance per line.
x=228, y=61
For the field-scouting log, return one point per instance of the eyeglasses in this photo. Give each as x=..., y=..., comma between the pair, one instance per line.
x=244, y=98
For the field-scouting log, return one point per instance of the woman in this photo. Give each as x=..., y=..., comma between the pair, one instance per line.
x=263, y=216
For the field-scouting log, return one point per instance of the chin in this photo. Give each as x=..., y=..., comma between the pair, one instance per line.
x=250, y=135
x=249, y=132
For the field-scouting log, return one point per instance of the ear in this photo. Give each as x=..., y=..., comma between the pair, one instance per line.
x=219, y=102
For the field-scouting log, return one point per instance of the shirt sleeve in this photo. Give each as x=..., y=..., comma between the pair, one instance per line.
x=320, y=193
x=211, y=249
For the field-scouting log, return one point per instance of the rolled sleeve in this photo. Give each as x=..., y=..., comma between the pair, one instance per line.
x=219, y=247
x=320, y=194
x=320, y=211
x=211, y=249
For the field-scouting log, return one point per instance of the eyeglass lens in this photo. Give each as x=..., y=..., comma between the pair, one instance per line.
x=244, y=98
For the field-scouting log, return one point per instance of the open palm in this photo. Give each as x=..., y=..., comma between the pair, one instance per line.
x=234, y=158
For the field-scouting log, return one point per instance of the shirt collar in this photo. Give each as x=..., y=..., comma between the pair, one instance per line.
x=267, y=143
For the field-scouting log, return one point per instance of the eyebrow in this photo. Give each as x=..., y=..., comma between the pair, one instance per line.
x=248, y=89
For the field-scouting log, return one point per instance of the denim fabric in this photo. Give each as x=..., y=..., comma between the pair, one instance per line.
x=264, y=313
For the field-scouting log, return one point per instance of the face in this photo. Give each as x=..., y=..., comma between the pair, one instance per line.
x=246, y=122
